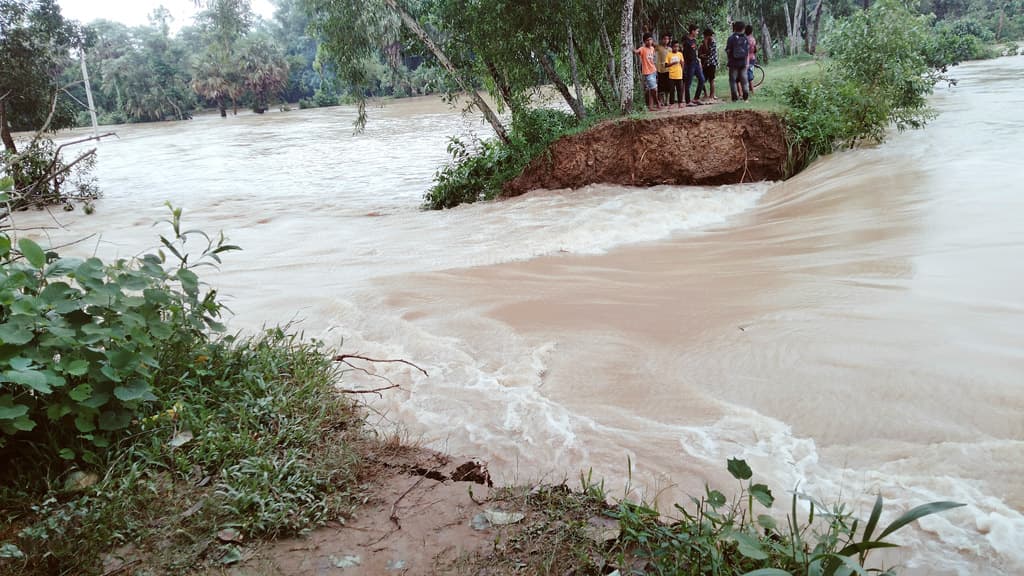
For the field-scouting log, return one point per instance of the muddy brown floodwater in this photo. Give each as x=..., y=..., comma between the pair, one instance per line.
x=856, y=329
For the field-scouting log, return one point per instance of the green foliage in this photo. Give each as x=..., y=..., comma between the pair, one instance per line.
x=478, y=171
x=82, y=344
x=123, y=419
x=35, y=43
x=881, y=69
x=41, y=177
x=714, y=536
x=956, y=41
x=721, y=537
x=253, y=438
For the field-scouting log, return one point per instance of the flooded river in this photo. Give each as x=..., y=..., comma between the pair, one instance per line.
x=859, y=328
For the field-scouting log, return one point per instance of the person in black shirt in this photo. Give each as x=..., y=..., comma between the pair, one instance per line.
x=736, y=49
x=692, y=65
x=708, y=54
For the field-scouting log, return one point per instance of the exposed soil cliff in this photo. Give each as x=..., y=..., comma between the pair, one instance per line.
x=723, y=147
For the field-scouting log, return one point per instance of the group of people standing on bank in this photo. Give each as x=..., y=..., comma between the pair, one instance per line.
x=670, y=67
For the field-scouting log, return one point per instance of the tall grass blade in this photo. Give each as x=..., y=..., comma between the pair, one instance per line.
x=919, y=512
x=876, y=513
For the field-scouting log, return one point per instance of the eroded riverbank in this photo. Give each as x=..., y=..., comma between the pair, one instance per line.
x=725, y=147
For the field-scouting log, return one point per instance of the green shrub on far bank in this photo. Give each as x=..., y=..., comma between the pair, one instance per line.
x=320, y=99
x=883, y=63
x=478, y=170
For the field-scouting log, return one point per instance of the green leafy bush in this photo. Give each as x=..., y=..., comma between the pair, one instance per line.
x=956, y=41
x=722, y=537
x=254, y=438
x=478, y=170
x=41, y=176
x=82, y=344
x=881, y=69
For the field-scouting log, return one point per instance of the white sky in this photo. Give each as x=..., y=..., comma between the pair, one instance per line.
x=136, y=12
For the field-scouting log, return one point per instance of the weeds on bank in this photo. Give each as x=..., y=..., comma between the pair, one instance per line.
x=567, y=532
x=132, y=432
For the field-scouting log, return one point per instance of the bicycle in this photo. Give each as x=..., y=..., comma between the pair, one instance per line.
x=758, y=76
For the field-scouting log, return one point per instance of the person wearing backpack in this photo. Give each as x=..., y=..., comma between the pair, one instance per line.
x=737, y=50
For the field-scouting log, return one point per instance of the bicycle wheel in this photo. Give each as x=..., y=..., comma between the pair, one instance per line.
x=758, y=76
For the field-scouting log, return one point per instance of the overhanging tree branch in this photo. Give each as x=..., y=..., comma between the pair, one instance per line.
x=414, y=26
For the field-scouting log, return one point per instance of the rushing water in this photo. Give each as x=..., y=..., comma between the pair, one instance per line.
x=856, y=329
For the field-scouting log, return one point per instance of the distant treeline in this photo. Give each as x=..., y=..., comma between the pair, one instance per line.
x=228, y=58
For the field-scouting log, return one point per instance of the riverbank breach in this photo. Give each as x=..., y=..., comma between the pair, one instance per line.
x=722, y=147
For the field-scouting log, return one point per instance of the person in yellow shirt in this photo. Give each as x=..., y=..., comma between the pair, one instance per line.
x=674, y=66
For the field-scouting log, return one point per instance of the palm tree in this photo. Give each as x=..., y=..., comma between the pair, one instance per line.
x=265, y=72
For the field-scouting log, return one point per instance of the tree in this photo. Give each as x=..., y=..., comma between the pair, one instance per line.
x=264, y=69
x=217, y=73
x=626, y=58
x=35, y=43
x=355, y=32
x=143, y=72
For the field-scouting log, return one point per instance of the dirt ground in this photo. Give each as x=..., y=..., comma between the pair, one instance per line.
x=418, y=518
x=680, y=147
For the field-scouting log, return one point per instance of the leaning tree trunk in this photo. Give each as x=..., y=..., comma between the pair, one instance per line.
x=414, y=26
x=5, y=130
x=549, y=70
x=594, y=83
x=613, y=81
x=503, y=88
x=625, y=80
x=574, y=68
x=813, y=45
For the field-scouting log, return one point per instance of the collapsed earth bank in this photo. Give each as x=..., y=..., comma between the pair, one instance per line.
x=724, y=147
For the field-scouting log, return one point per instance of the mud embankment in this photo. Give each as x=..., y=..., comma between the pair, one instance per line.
x=725, y=147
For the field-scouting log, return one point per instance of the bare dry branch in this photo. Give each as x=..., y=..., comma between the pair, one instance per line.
x=345, y=357
x=376, y=391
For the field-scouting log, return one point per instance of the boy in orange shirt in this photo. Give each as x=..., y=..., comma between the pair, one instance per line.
x=649, y=69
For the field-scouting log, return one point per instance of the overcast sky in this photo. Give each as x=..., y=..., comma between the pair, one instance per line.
x=136, y=12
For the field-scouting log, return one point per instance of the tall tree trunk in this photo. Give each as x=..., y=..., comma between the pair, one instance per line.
x=789, y=23
x=549, y=70
x=611, y=60
x=794, y=24
x=414, y=26
x=813, y=47
x=573, y=68
x=625, y=79
x=502, y=85
x=766, y=41
x=5, y=130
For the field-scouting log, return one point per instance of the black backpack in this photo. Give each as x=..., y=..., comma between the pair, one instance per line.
x=740, y=46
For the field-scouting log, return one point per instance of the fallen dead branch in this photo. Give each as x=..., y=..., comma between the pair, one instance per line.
x=346, y=360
